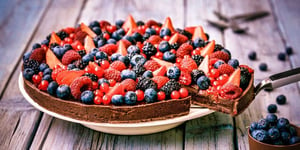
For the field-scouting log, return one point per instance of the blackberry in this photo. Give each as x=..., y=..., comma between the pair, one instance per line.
x=62, y=34
x=196, y=74
x=174, y=46
x=145, y=83
x=170, y=86
x=139, y=69
x=33, y=64
x=92, y=76
x=149, y=50
x=245, y=78
x=218, y=47
x=80, y=64
x=183, y=32
x=198, y=59
x=81, y=52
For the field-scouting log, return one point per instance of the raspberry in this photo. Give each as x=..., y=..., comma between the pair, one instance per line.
x=109, y=49
x=38, y=54
x=118, y=65
x=181, y=39
x=80, y=84
x=185, y=78
x=111, y=73
x=154, y=39
x=70, y=56
x=129, y=84
x=160, y=81
x=151, y=65
x=230, y=91
x=79, y=36
x=184, y=49
x=220, y=55
x=150, y=23
x=225, y=69
x=188, y=64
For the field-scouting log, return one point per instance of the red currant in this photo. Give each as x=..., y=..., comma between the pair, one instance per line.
x=98, y=92
x=104, y=64
x=140, y=95
x=111, y=29
x=106, y=36
x=98, y=71
x=223, y=79
x=104, y=87
x=68, y=40
x=112, y=82
x=106, y=100
x=159, y=55
x=161, y=95
x=72, y=35
x=214, y=73
x=175, y=95
x=196, y=52
x=94, y=85
x=166, y=38
x=41, y=73
x=79, y=47
x=87, y=69
x=216, y=83
x=98, y=100
x=43, y=85
x=173, y=51
x=36, y=79
x=183, y=92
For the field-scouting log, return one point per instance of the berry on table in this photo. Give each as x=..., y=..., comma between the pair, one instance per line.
x=281, y=99
x=289, y=50
x=263, y=67
x=252, y=55
x=281, y=56
x=272, y=108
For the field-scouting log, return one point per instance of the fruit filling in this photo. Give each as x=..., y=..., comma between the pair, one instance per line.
x=130, y=63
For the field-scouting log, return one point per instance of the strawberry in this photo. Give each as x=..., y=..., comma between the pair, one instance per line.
x=154, y=39
x=184, y=49
x=185, y=78
x=234, y=78
x=188, y=64
x=129, y=24
x=117, y=89
x=204, y=66
x=109, y=49
x=162, y=62
x=111, y=73
x=104, y=24
x=150, y=23
x=208, y=49
x=230, y=91
x=54, y=38
x=122, y=48
x=220, y=55
x=80, y=36
x=88, y=44
x=181, y=39
x=168, y=24
x=129, y=84
x=199, y=32
x=174, y=38
x=69, y=30
x=118, y=65
x=68, y=76
x=52, y=60
x=190, y=29
x=160, y=71
x=55, y=72
x=151, y=65
x=70, y=56
x=225, y=69
x=38, y=54
x=125, y=42
x=160, y=81
x=87, y=30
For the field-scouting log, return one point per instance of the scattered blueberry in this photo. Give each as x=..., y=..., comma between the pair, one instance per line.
x=281, y=56
x=173, y=72
x=148, y=74
x=203, y=82
x=169, y=56
x=281, y=99
x=263, y=67
x=52, y=87
x=117, y=100
x=234, y=63
x=128, y=74
x=150, y=95
x=63, y=91
x=252, y=55
x=289, y=50
x=28, y=73
x=164, y=46
x=130, y=98
x=272, y=108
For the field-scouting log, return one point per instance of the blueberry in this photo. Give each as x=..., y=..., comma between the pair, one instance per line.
x=203, y=82
x=148, y=74
x=43, y=66
x=52, y=87
x=164, y=46
x=45, y=42
x=117, y=100
x=47, y=71
x=57, y=50
x=292, y=131
x=94, y=51
x=115, y=56
x=150, y=95
x=252, y=55
x=47, y=77
x=226, y=51
x=260, y=135
x=273, y=133
x=165, y=32
x=272, y=119
x=146, y=36
x=263, y=67
x=283, y=124
x=101, y=55
x=129, y=38
x=262, y=124
x=281, y=56
x=28, y=73
x=116, y=36
x=289, y=50
x=285, y=136
x=169, y=56
x=36, y=45
x=272, y=108
x=198, y=42
x=150, y=31
x=128, y=74
x=125, y=60
x=173, y=72
x=130, y=98
x=97, y=30
x=133, y=49
x=234, y=63
x=27, y=55
x=281, y=99
x=253, y=126
x=121, y=31
x=294, y=140
x=63, y=91
x=87, y=58
x=137, y=59
x=277, y=142
x=111, y=41
x=101, y=42
x=119, y=23
x=137, y=36
x=103, y=80
x=87, y=97
x=94, y=23
x=218, y=63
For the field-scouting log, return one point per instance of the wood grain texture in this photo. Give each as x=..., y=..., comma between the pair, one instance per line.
x=264, y=38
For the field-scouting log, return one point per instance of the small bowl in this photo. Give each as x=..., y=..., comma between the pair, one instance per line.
x=256, y=145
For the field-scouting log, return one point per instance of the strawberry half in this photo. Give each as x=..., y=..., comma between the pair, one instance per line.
x=160, y=81
x=199, y=32
x=116, y=90
x=88, y=44
x=68, y=76
x=129, y=24
x=122, y=48
x=162, y=62
x=52, y=60
x=168, y=24
x=208, y=49
x=160, y=71
x=54, y=38
x=87, y=30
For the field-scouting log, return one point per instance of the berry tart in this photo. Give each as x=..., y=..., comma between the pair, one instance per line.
x=133, y=72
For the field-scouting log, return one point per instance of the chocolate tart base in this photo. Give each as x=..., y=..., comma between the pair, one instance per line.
x=107, y=113
x=229, y=106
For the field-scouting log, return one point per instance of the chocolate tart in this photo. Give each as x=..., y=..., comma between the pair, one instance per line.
x=108, y=113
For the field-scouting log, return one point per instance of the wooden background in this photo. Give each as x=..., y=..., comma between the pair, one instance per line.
x=24, y=22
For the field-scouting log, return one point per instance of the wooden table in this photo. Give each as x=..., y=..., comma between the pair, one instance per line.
x=23, y=23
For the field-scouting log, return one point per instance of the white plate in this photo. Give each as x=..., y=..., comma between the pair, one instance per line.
x=123, y=128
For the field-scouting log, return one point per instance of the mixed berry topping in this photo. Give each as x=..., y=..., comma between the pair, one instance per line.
x=131, y=63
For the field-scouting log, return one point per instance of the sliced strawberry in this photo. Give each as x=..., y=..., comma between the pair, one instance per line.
x=122, y=48
x=208, y=49
x=234, y=78
x=204, y=66
x=162, y=62
x=69, y=30
x=160, y=71
x=160, y=81
x=87, y=30
x=129, y=24
x=190, y=29
x=125, y=42
x=88, y=44
x=54, y=38
x=199, y=32
x=52, y=60
x=182, y=39
x=68, y=76
x=188, y=64
x=116, y=90
x=168, y=24
x=174, y=38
